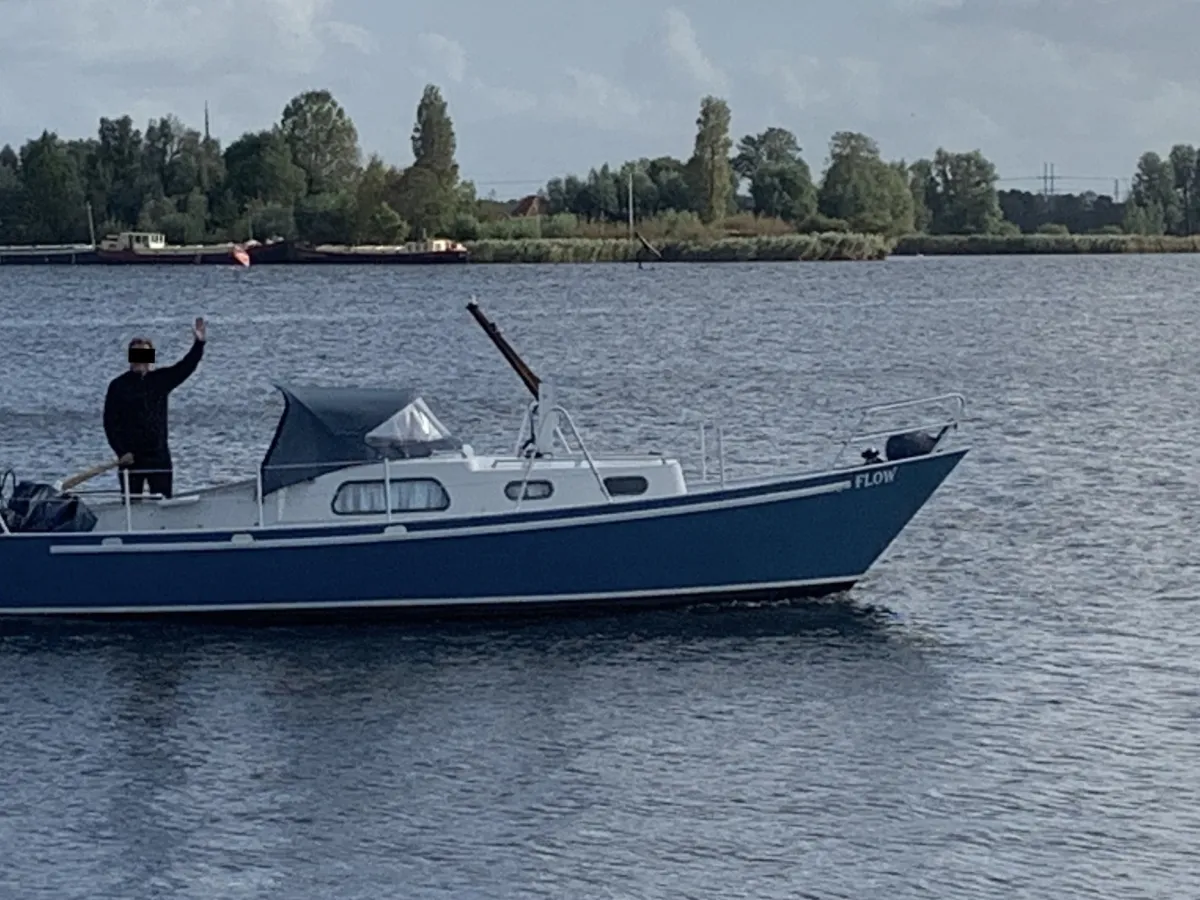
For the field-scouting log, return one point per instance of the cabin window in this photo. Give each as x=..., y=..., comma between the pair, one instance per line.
x=626, y=485
x=534, y=490
x=359, y=498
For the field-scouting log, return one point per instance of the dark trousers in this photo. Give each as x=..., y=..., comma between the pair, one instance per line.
x=159, y=482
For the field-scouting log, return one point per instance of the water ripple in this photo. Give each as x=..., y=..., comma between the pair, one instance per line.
x=1008, y=707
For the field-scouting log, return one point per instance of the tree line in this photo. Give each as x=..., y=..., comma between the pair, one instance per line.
x=305, y=177
x=302, y=177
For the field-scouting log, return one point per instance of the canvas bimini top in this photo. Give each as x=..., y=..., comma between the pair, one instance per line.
x=323, y=429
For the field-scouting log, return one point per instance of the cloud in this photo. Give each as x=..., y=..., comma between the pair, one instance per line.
x=801, y=82
x=441, y=57
x=596, y=101
x=78, y=60
x=683, y=50
x=352, y=36
x=286, y=36
x=502, y=101
x=444, y=59
x=921, y=6
x=1024, y=81
x=808, y=83
x=1153, y=37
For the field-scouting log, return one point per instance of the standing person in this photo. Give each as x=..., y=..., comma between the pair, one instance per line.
x=135, y=412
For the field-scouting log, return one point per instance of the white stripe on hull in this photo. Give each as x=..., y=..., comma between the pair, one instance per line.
x=435, y=603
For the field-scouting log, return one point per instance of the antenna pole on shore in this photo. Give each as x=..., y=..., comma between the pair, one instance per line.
x=631, y=203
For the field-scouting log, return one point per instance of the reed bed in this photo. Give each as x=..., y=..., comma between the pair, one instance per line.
x=762, y=248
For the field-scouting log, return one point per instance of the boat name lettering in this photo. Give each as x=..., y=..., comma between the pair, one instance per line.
x=871, y=479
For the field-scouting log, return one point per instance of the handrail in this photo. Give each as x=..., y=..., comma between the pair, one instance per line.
x=128, y=502
x=6, y=476
x=917, y=401
x=841, y=436
x=584, y=450
x=870, y=435
x=856, y=434
x=577, y=454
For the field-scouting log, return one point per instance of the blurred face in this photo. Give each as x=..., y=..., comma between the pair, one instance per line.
x=141, y=355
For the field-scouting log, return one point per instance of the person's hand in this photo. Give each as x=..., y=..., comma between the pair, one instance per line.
x=200, y=330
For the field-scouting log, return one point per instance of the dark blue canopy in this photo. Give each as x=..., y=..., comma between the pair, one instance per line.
x=323, y=429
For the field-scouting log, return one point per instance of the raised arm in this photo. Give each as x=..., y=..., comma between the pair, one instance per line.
x=174, y=376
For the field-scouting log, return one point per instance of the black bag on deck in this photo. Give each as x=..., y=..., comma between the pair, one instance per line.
x=910, y=444
x=38, y=507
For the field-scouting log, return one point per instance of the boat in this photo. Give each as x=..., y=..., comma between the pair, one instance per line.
x=48, y=255
x=366, y=504
x=435, y=251
x=151, y=247
x=272, y=250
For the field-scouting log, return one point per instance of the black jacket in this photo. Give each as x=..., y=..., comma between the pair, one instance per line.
x=135, y=410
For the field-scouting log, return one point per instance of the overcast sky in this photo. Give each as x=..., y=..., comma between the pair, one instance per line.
x=541, y=87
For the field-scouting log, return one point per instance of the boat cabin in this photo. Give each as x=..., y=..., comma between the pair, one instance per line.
x=344, y=454
x=134, y=240
x=435, y=245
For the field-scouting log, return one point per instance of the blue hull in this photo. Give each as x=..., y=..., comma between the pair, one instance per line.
x=791, y=537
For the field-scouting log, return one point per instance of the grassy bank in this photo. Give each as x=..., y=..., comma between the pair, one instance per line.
x=978, y=245
x=775, y=248
x=827, y=246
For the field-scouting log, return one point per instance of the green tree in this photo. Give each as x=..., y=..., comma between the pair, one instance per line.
x=418, y=198
x=863, y=190
x=605, y=193
x=52, y=192
x=1183, y=167
x=1153, y=206
x=375, y=185
x=771, y=147
x=12, y=197
x=323, y=141
x=784, y=190
x=326, y=218
x=961, y=194
x=670, y=178
x=781, y=182
x=1144, y=217
x=924, y=189
x=385, y=226
x=196, y=164
x=709, y=167
x=160, y=150
x=433, y=141
x=428, y=195
x=119, y=167
x=259, y=166
x=645, y=191
x=270, y=220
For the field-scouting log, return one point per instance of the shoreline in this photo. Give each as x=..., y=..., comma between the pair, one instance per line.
x=827, y=246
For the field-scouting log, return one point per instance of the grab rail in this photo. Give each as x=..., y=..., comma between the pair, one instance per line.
x=840, y=435
x=856, y=433
x=577, y=453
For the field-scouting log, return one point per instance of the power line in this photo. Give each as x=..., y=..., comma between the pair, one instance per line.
x=1050, y=181
x=1056, y=177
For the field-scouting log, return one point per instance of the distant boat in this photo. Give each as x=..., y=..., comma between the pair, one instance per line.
x=48, y=255
x=438, y=250
x=134, y=247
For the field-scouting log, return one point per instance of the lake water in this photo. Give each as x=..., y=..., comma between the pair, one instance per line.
x=1008, y=707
